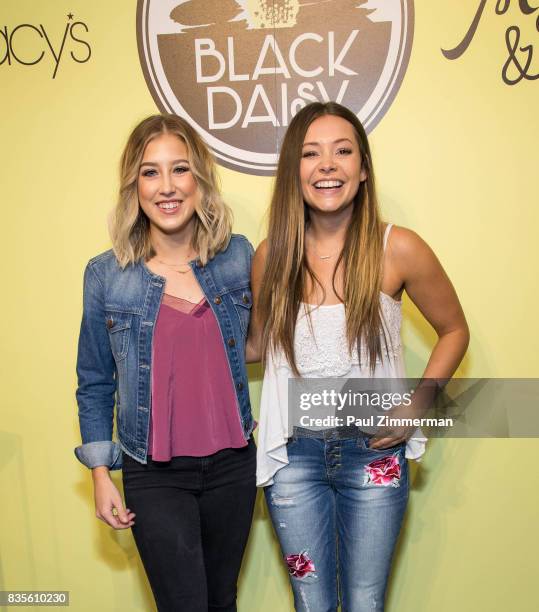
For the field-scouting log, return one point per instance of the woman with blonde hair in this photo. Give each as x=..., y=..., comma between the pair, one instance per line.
x=165, y=318
x=327, y=287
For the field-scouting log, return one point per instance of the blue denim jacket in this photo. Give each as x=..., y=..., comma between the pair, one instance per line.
x=120, y=309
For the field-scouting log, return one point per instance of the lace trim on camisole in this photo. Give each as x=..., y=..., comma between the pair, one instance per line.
x=321, y=348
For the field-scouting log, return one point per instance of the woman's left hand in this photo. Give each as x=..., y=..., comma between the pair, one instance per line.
x=391, y=435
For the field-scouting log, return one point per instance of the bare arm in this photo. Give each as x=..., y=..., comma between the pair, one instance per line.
x=254, y=348
x=418, y=270
x=429, y=288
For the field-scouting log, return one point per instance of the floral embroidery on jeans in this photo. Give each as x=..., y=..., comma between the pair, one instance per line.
x=299, y=565
x=384, y=472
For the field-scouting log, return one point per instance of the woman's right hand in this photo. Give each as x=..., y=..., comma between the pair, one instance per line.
x=109, y=506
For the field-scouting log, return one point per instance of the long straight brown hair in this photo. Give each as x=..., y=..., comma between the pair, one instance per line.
x=286, y=271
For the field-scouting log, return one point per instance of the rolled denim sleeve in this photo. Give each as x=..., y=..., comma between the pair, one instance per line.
x=96, y=380
x=93, y=454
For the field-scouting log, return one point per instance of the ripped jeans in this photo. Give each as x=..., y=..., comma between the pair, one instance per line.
x=337, y=509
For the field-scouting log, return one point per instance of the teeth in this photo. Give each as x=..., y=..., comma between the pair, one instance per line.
x=328, y=184
x=168, y=205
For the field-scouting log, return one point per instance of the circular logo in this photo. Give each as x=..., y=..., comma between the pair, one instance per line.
x=239, y=70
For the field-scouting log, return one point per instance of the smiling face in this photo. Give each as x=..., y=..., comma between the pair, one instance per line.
x=167, y=190
x=331, y=165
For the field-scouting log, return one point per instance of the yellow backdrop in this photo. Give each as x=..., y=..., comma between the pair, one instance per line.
x=456, y=158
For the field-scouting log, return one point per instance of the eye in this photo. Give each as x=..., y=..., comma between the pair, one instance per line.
x=149, y=172
x=181, y=169
x=308, y=154
x=344, y=151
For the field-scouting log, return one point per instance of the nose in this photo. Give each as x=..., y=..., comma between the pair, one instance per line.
x=327, y=164
x=167, y=187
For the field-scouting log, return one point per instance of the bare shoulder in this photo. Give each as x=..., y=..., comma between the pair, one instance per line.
x=261, y=253
x=406, y=245
x=411, y=258
x=259, y=265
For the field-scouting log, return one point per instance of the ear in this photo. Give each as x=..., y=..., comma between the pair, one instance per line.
x=363, y=174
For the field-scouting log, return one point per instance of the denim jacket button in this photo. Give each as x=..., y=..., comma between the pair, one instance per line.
x=245, y=299
x=199, y=263
x=239, y=386
x=231, y=342
x=110, y=323
x=217, y=300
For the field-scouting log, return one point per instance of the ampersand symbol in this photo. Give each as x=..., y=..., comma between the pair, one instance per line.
x=512, y=40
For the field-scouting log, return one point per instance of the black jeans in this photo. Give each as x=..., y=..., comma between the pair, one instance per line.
x=193, y=516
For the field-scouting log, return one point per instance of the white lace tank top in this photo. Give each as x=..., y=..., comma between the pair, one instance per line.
x=321, y=351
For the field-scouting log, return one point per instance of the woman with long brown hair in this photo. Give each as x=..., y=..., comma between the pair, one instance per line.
x=162, y=340
x=327, y=287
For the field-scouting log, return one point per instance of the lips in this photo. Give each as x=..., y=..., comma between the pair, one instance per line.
x=168, y=206
x=327, y=184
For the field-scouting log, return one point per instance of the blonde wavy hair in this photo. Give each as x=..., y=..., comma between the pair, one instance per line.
x=287, y=269
x=128, y=224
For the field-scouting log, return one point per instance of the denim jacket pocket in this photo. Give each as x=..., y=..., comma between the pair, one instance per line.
x=243, y=301
x=119, y=326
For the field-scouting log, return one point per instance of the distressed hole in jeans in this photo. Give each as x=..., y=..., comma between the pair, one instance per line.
x=282, y=525
x=304, y=598
x=279, y=501
x=299, y=565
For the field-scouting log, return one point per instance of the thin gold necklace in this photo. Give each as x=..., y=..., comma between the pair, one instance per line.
x=322, y=256
x=178, y=264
